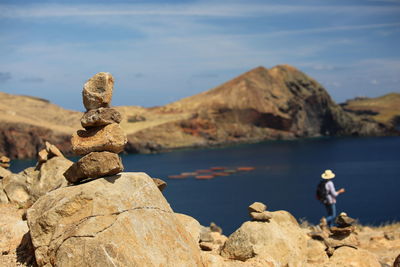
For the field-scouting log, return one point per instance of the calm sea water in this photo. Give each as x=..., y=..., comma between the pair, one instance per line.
x=285, y=177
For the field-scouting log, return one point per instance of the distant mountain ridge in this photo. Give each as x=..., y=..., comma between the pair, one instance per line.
x=261, y=104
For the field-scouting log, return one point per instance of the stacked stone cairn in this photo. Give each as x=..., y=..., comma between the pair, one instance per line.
x=257, y=212
x=211, y=238
x=103, y=138
x=4, y=172
x=337, y=236
x=5, y=162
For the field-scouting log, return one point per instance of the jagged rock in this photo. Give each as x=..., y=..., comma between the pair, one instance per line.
x=94, y=165
x=53, y=150
x=350, y=257
x=49, y=177
x=264, y=216
x=97, y=91
x=215, y=228
x=257, y=207
x=43, y=155
x=28, y=185
x=108, y=138
x=316, y=252
x=160, y=183
x=191, y=225
x=121, y=220
x=344, y=221
x=4, y=172
x=100, y=117
x=282, y=240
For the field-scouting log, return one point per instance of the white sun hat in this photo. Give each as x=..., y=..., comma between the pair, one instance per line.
x=328, y=174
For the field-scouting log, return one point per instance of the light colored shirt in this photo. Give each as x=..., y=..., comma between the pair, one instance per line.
x=330, y=190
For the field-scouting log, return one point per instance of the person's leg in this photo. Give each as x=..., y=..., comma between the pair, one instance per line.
x=331, y=209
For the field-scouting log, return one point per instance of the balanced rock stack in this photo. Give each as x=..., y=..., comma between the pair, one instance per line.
x=257, y=212
x=103, y=138
x=4, y=162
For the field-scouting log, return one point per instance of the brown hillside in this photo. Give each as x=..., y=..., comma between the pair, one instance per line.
x=262, y=104
x=384, y=109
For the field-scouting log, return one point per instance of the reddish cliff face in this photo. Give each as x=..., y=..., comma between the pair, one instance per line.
x=20, y=140
x=279, y=103
x=262, y=104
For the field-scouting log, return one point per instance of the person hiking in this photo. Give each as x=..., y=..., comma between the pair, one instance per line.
x=327, y=194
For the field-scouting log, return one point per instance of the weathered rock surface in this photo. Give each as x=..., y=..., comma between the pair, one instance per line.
x=3, y=196
x=4, y=172
x=12, y=229
x=281, y=239
x=28, y=185
x=191, y=225
x=109, y=138
x=94, y=165
x=316, y=254
x=53, y=150
x=16, y=189
x=264, y=216
x=257, y=207
x=121, y=220
x=100, y=117
x=97, y=91
x=350, y=257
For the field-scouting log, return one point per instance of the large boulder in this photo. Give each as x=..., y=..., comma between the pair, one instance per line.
x=108, y=138
x=121, y=220
x=280, y=239
x=351, y=257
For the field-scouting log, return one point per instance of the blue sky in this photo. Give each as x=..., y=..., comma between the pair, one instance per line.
x=161, y=51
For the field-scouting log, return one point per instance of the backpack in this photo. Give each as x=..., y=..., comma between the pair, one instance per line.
x=322, y=193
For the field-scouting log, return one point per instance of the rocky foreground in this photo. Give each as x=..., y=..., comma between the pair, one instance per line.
x=262, y=104
x=125, y=220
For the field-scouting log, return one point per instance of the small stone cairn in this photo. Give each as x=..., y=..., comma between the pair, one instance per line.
x=257, y=212
x=5, y=162
x=103, y=138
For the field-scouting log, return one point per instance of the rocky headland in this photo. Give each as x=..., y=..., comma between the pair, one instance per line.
x=262, y=104
x=89, y=213
x=384, y=109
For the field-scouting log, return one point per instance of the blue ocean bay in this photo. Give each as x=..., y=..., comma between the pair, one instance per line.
x=285, y=177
